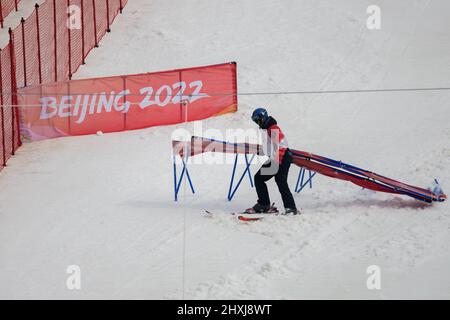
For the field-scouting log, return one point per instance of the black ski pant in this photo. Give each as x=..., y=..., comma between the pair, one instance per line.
x=281, y=178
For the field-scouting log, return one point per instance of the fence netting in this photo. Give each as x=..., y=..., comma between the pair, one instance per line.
x=49, y=46
x=9, y=132
x=6, y=6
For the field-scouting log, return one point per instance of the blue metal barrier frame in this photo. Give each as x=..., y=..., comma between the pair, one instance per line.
x=301, y=184
x=176, y=181
x=232, y=191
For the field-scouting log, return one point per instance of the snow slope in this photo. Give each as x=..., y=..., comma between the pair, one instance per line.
x=105, y=203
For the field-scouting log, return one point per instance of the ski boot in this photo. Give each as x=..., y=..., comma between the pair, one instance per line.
x=291, y=212
x=258, y=208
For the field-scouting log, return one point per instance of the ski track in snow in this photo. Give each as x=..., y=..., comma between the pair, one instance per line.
x=105, y=203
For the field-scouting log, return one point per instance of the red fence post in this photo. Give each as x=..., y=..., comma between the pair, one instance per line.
x=1, y=14
x=70, y=40
x=13, y=87
x=108, y=29
x=83, y=45
x=3, y=135
x=55, y=40
x=24, y=60
x=19, y=140
x=95, y=23
x=2, y=113
x=38, y=43
x=69, y=127
x=14, y=92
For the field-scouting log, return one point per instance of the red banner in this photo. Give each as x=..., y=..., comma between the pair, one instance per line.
x=127, y=102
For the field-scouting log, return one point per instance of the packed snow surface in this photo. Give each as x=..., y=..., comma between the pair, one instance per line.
x=105, y=202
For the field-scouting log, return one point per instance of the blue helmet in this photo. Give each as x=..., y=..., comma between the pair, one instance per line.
x=260, y=116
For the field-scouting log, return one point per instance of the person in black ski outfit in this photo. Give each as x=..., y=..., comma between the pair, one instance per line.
x=283, y=158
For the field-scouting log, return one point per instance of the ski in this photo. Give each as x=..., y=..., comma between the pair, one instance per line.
x=210, y=214
x=248, y=216
x=244, y=216
x=272, y=210
x=251, y=216
x=249, y=219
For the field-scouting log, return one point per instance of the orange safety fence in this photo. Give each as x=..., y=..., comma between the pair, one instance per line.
x=49, y=46
x=6, y=6
x=9, y=120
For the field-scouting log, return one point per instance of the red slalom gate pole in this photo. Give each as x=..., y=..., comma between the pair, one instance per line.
x=15, y=3
x=38, y=43
x=121, y=6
